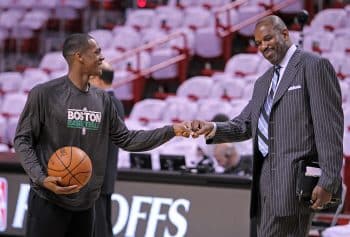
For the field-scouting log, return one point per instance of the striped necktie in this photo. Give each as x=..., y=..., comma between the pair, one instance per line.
x=263, y=123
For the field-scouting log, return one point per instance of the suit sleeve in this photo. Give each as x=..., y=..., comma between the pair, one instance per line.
x=27, y=133
x=328, y=121
x=235, y=130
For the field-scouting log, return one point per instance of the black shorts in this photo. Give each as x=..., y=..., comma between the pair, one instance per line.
x=47, y=219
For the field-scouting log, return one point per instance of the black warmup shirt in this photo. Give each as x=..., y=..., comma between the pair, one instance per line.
x=58, y=114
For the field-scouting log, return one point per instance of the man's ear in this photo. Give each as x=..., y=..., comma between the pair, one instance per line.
x=79, y=57
x=285, y=34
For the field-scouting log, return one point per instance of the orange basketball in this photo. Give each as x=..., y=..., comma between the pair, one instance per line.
x=72, y=164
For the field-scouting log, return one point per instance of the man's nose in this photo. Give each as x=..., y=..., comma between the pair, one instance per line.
x=263, y=46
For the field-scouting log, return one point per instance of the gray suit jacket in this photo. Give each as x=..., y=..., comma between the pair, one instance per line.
x=306, y=122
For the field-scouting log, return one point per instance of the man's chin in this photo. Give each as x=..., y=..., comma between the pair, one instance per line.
x=273, y=61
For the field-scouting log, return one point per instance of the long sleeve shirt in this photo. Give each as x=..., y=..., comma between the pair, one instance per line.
x=58, y=114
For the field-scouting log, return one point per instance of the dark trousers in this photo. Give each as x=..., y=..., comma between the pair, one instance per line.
x=271, y=226
x=103, y=222
x=46, y=219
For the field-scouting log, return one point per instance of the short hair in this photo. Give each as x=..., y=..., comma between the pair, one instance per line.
x=107, y=76
x=220, y=118
x=275, y=21
x=75, y=43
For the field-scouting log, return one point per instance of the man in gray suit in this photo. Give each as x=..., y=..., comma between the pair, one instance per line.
x=295, y=113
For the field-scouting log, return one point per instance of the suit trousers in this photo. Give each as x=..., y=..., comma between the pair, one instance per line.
x=272, y=226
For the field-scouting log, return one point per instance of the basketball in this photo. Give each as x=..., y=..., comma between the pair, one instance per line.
x=72, y=164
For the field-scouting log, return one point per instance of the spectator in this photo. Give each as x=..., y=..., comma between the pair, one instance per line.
x=227, y=157
x=103, y=205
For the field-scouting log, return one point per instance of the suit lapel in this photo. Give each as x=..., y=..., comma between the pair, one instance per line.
x=288, y=76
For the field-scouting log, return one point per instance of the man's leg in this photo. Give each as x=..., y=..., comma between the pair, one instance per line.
x=45, y=219
x=271, y=226
x=290, y=226
x=103, y=223
x=82, y=223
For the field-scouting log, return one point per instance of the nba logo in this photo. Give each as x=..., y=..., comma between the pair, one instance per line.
x=3, y=203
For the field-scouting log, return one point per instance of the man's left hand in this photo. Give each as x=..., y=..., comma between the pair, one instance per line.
x=182, y=129
x=320, y=197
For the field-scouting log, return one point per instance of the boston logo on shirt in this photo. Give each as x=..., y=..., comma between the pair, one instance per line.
x=83, y=119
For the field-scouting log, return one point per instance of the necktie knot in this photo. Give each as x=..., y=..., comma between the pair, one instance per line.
x=276, y=69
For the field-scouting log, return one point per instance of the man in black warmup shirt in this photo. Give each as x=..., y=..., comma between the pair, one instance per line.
x=68, y=112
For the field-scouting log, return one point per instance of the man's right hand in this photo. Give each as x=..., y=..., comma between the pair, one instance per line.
x=200, y=127
x=52, y=184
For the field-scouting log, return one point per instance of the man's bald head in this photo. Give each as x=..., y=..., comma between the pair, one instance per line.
x=272, y=20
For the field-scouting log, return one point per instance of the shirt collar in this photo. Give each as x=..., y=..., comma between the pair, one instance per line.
x=288, y=56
